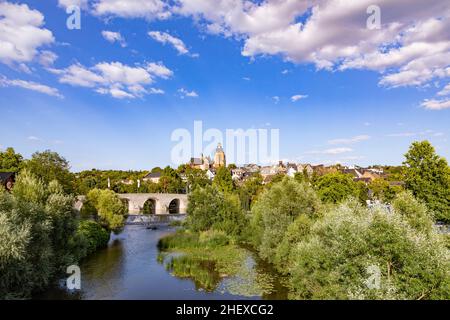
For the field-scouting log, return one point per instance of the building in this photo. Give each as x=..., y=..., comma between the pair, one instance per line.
x=219, y=157
x=7, y=180
x=202, y=163
x=153, y=177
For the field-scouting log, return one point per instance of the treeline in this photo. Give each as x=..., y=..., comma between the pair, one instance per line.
x=323, y=238
x=40, y=233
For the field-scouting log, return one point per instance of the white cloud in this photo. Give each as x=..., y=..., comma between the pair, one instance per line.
x=47, y=58
x=332, y=151
x=159, y=69
x=148, y=9
x=445, y=91
x=436, y=104
x=178, y=44
x=412, y=47
x=276, y=99
x=285, y=71
x=351, y=140
x=112, y=37
x=79, y=3
x=298, y=97
x=21, y=33
x=115, y=79
x=34, y=138
x=186, y=93
x=246, y=78
x=34, y=86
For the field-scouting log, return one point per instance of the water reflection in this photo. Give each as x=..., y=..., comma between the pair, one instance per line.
x=131, y=267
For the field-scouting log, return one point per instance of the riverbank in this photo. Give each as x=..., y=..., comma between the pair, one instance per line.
x=130, y=267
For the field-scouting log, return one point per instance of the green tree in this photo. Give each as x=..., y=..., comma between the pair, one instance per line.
x=223, y=180
x=275, y=209
x=48, y=166
x=336, y=187
x=195, y=178
x=10, y=161
x=249, y=190
x=209, y=208
x=427, y=175
x=37, y=226
x=107, y=207
x=342, y=250
x=383, y=191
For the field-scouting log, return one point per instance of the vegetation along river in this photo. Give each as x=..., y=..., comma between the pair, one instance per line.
x=132, y=267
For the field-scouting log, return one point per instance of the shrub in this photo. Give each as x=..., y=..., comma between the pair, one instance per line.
x=335, y=260
x=93, y=234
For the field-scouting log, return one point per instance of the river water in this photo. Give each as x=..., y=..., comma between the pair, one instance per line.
x=131, y=268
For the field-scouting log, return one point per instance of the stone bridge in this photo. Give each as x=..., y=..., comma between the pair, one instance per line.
x=157, y=203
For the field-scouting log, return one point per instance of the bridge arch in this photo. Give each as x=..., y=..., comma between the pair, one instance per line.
x=149, y=206
x=174, y=206
x=162, y=203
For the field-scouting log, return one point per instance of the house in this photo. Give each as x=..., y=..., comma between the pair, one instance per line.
x=153, y=177
x=305, y=168
x=7, y=180
x=127, y=182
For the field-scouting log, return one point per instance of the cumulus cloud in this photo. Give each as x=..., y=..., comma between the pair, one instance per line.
x=79, y=3
x=148, y=9
x=21, y=33
x=115, y=79
x=298, y=97
x=186, y=93
x=29, y=85
x=164, y=38
x=445, y=91
x=351, y=140
x=436, y=104
x=47, y=58
x=112, y=37
x=411, y=48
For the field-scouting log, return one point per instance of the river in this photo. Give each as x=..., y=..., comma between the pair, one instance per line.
x=131, y=268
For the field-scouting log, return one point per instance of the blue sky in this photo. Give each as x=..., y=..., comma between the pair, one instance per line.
x=229, y=79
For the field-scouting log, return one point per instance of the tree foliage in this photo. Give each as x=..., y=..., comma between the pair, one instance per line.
x=10, y=161
x=106, y=207
x=223, y=180
x=427, y=175
x=276, y=209
x=49, y=166
x=342, y=250
x=210, y=208
x=336, y=187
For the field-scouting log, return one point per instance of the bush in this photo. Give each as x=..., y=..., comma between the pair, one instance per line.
x=414, y=212
x=214, y=238
x=36, y=227
x=93, y=234
x=335, y=260
x=276, y=209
